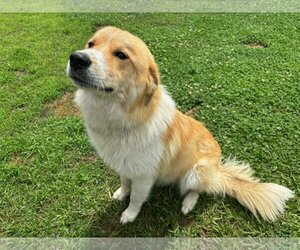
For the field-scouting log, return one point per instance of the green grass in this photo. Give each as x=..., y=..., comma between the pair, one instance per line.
x=247, y=97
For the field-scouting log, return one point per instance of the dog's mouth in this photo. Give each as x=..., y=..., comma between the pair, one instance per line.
x=85, y=84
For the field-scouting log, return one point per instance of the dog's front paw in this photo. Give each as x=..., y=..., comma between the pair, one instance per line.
x=128, y=216
x=120, y=194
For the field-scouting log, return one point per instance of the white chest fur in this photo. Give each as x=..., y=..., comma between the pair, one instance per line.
x=132, y=150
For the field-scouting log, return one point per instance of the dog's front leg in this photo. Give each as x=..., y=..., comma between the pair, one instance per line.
x=140, y=189
x=122, y=192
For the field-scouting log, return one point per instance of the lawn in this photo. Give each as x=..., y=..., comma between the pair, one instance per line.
x=237, y=73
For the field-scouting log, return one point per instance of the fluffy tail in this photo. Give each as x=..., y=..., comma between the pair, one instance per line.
x=266, y=199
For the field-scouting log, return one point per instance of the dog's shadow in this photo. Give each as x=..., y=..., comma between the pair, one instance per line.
x=159, y=216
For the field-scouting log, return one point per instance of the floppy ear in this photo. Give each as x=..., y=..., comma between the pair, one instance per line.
x=154, y=73
x=154, y=81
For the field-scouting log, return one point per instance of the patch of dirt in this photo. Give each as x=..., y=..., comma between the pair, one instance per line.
x=92, y=158
x=255, y=46
x=63, y=106
x=186, y=222
x=21, y=73
x=191, y=112
x=17, y=159
x=87, y=159
x=206, y=232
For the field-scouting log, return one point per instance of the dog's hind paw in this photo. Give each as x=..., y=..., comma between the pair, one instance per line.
x=189, y=202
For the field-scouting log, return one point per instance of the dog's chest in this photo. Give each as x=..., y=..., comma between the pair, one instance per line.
x=130, y=150
x=129, y=154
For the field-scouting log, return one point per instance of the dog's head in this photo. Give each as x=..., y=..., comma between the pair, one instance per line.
x=114, y=63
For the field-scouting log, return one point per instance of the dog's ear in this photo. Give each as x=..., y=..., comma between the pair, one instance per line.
x=154, y=73
x=154, y=81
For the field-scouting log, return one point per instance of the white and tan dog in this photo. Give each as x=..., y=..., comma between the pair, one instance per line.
x=135, y=127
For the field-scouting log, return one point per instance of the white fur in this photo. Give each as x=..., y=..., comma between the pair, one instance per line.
x=122, y=192
x=189, y=202
x=133, y=150
x=190, y=181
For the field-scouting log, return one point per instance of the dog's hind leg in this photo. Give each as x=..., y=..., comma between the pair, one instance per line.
x=196, y=180
x=189, y=187
x=189, y=201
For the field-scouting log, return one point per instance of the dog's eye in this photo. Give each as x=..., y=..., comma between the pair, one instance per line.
x=90, y=44
x=121, y=55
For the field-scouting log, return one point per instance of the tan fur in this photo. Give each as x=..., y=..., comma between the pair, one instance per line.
x=187, y=141
x=140, y=64
x=142, y=110
x=188, y=145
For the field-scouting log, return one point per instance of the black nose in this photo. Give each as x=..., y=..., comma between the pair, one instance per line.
x=79, y=60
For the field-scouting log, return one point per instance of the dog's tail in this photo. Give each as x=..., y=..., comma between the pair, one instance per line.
x=235, y=179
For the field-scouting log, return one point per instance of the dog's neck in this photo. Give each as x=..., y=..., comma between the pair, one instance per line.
x=144, y=107
x=103, y=114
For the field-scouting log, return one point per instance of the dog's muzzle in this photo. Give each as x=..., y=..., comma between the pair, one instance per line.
x=79, y=61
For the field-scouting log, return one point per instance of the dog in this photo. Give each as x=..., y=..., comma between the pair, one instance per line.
x=135, y=127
